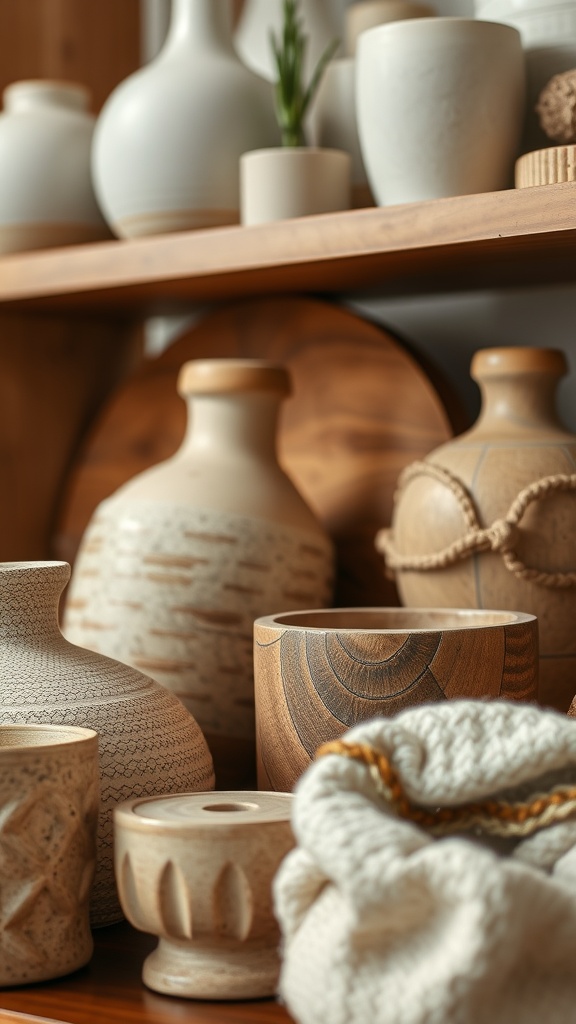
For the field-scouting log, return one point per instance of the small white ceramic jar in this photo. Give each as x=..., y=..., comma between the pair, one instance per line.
x=299, y=181
x=46, y=195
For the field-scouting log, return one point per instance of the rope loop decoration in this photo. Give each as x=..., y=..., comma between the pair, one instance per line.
x=495, y=817
x=501, y=537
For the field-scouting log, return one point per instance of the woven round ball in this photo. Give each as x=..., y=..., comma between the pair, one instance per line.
x=556, y=107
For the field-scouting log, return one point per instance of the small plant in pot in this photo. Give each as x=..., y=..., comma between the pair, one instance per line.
x=294, y=180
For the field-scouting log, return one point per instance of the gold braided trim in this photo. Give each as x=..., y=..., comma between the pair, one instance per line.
x=496, y=817
x=502, y=537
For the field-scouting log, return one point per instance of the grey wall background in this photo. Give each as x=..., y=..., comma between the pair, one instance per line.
x=446, y=329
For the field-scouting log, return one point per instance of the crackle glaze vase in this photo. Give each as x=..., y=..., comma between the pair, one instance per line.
x=488, y=520
x=175, y=567
x=148, y=742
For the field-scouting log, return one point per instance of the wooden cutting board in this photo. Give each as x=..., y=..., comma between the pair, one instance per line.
x=362, y=409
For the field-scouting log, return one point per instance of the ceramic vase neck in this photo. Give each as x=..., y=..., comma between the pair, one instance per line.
x=29, y=598
x=200, y=25
x=233, y=426
x=519, y=389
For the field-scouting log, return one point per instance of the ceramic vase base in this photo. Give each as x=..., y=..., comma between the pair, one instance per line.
x=168, y=221
x=24, y=237
x=213, y=971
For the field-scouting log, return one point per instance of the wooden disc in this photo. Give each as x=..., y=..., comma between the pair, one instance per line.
x=362, y=409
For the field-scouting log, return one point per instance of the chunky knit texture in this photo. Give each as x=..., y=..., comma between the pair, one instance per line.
x=383, y=924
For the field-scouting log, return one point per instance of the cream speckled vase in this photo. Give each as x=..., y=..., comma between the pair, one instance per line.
x=148, y=742
x=174, y=567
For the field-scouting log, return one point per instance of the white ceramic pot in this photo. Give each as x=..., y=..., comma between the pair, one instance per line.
x=281, y=183
x=440, y=104
x=46, y=194
x=168, y=140
x=369, y=13
x=333, y=123
x=322, y=21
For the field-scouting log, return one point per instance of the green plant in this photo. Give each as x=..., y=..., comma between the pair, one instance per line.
x=292, y=96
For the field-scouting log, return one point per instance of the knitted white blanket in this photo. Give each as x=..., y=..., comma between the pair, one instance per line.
x=385, y=924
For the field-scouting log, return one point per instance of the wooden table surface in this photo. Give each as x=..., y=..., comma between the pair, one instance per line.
x=110, y=991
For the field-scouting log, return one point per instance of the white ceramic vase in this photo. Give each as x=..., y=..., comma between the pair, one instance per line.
x=46, y=194
x=175, y=567
x=321, y=19
x=168, y=140
x=293, y=181
x=548, y=32
x=148, y=742
x=333, y=123
x=440, y=104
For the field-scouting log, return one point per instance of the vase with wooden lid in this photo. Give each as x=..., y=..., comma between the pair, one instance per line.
x=148, y=742
x=487, y=520
x=175, y=567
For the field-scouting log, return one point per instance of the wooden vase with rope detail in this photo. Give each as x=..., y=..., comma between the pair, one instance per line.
x=489, y=519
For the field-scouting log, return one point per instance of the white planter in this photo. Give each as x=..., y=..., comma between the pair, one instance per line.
x=322, y=21
x=333, y=123
x=369, y=13
x=168, y=141
x=277, y=184
x=46, y=195
x=440, y=104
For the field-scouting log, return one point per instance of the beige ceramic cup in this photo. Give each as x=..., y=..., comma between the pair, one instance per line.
x=49, y=801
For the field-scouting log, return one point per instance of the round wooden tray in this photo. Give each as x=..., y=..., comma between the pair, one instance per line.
x=362, y=409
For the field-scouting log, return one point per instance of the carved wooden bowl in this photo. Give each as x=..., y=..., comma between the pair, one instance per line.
x=318, y=673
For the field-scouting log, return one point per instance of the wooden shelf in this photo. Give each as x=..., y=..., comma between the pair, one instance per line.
x=515, y=237
x=110, y=991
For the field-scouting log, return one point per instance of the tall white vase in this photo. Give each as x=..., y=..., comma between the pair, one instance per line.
x=440, y=105
x=169, y=139
x=46, y=195
x=322, y=21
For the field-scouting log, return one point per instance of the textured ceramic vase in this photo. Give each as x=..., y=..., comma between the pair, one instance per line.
x=196, y=870
x=440, y=107
x=169, y=138
x=321, y=20
x=320, y=673
x=299, y=181
x=49, y=803
x=46, y=194
x=548, y=32
x=175, y=567
x=148, y=741
x=517, y=441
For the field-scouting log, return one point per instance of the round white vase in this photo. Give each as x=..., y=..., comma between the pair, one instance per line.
x=333, y=123
x=321, y=20
x=46, y=194
x=440, y=105
x=293, y=181
x=169, y=138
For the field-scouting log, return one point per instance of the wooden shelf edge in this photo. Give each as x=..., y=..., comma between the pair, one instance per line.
x=449, y=244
